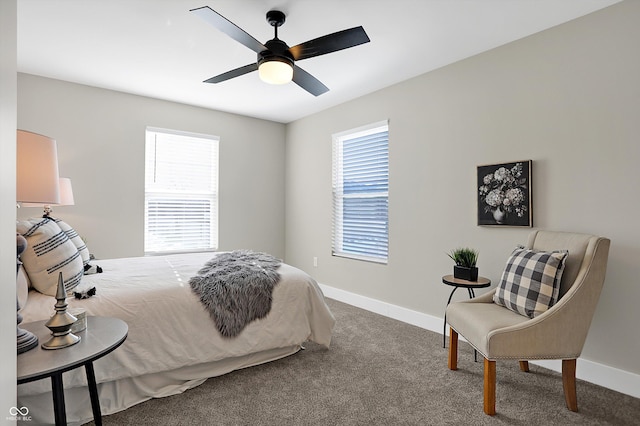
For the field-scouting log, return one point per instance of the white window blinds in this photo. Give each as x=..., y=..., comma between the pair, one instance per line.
x=181, y=192
x=361, y=193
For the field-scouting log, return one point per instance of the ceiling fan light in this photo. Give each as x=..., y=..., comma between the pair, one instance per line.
x=275, y=72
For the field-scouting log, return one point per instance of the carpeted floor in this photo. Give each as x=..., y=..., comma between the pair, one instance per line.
x=380, y=371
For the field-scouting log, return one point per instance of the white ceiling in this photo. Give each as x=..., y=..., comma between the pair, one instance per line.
x=157, y=48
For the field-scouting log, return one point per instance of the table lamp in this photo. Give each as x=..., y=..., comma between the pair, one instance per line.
x=37, y=181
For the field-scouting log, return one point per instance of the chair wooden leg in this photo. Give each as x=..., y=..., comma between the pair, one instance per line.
x=453, y=349
x=524, y=366
x=569, y=383
x=489, y=387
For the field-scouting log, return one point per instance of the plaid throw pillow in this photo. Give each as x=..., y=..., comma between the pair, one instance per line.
x=530, y=283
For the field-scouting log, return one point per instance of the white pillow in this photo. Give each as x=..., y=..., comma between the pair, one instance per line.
x=49, y=252
x=76, y=240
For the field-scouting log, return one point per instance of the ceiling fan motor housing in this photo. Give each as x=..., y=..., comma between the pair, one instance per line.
x=277, y=50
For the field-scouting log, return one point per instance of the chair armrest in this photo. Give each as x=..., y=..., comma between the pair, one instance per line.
x=483, y=298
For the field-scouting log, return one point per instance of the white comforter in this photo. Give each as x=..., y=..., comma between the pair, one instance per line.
x=168, y=326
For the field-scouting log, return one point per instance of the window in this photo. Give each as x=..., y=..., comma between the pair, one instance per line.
x=181, y=192
x=361, y=193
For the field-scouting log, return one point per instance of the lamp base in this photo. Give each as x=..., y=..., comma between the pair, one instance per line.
x=26, y=340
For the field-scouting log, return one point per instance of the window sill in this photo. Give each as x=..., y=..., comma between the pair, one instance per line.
x=371, y=259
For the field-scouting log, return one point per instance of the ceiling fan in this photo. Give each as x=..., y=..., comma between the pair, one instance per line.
x=276, y=60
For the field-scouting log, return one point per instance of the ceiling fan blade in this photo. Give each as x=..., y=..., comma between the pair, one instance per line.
x=229, y=28
x=233, y=73
x=330, y=43
x=308, y=82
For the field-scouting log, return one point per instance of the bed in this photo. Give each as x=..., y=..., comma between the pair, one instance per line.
x=172, y=344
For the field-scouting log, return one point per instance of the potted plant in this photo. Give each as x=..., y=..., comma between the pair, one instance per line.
x=465, y=267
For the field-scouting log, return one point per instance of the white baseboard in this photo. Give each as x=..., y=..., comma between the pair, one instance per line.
x=589, y=371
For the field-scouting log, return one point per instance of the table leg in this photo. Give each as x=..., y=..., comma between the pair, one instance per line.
x=93, y=393
x=57, y=390
x=444, y=328
x=472, y=294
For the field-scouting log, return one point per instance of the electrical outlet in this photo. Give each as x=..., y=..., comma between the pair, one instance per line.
x=315, y=262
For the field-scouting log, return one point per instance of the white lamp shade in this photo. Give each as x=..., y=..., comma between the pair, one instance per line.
x=36, y=169
x=66, y=192
x=275, y=72
x=66, y=195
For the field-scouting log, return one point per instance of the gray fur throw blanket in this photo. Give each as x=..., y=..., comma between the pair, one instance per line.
x=236, y=288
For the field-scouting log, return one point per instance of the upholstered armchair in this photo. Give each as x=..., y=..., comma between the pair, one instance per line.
x=559, y=332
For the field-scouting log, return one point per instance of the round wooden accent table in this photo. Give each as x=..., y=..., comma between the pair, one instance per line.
x=102, y=336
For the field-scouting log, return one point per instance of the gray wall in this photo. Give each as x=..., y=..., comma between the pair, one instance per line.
x=8, y=52
x=567, y=98
x=101, y=134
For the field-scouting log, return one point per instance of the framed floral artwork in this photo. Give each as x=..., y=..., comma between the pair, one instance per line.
x=504, y=194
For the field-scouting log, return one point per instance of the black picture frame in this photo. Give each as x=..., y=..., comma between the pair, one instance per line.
x=504, y=194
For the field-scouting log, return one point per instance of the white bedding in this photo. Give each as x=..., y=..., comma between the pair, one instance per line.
x=172, y=343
